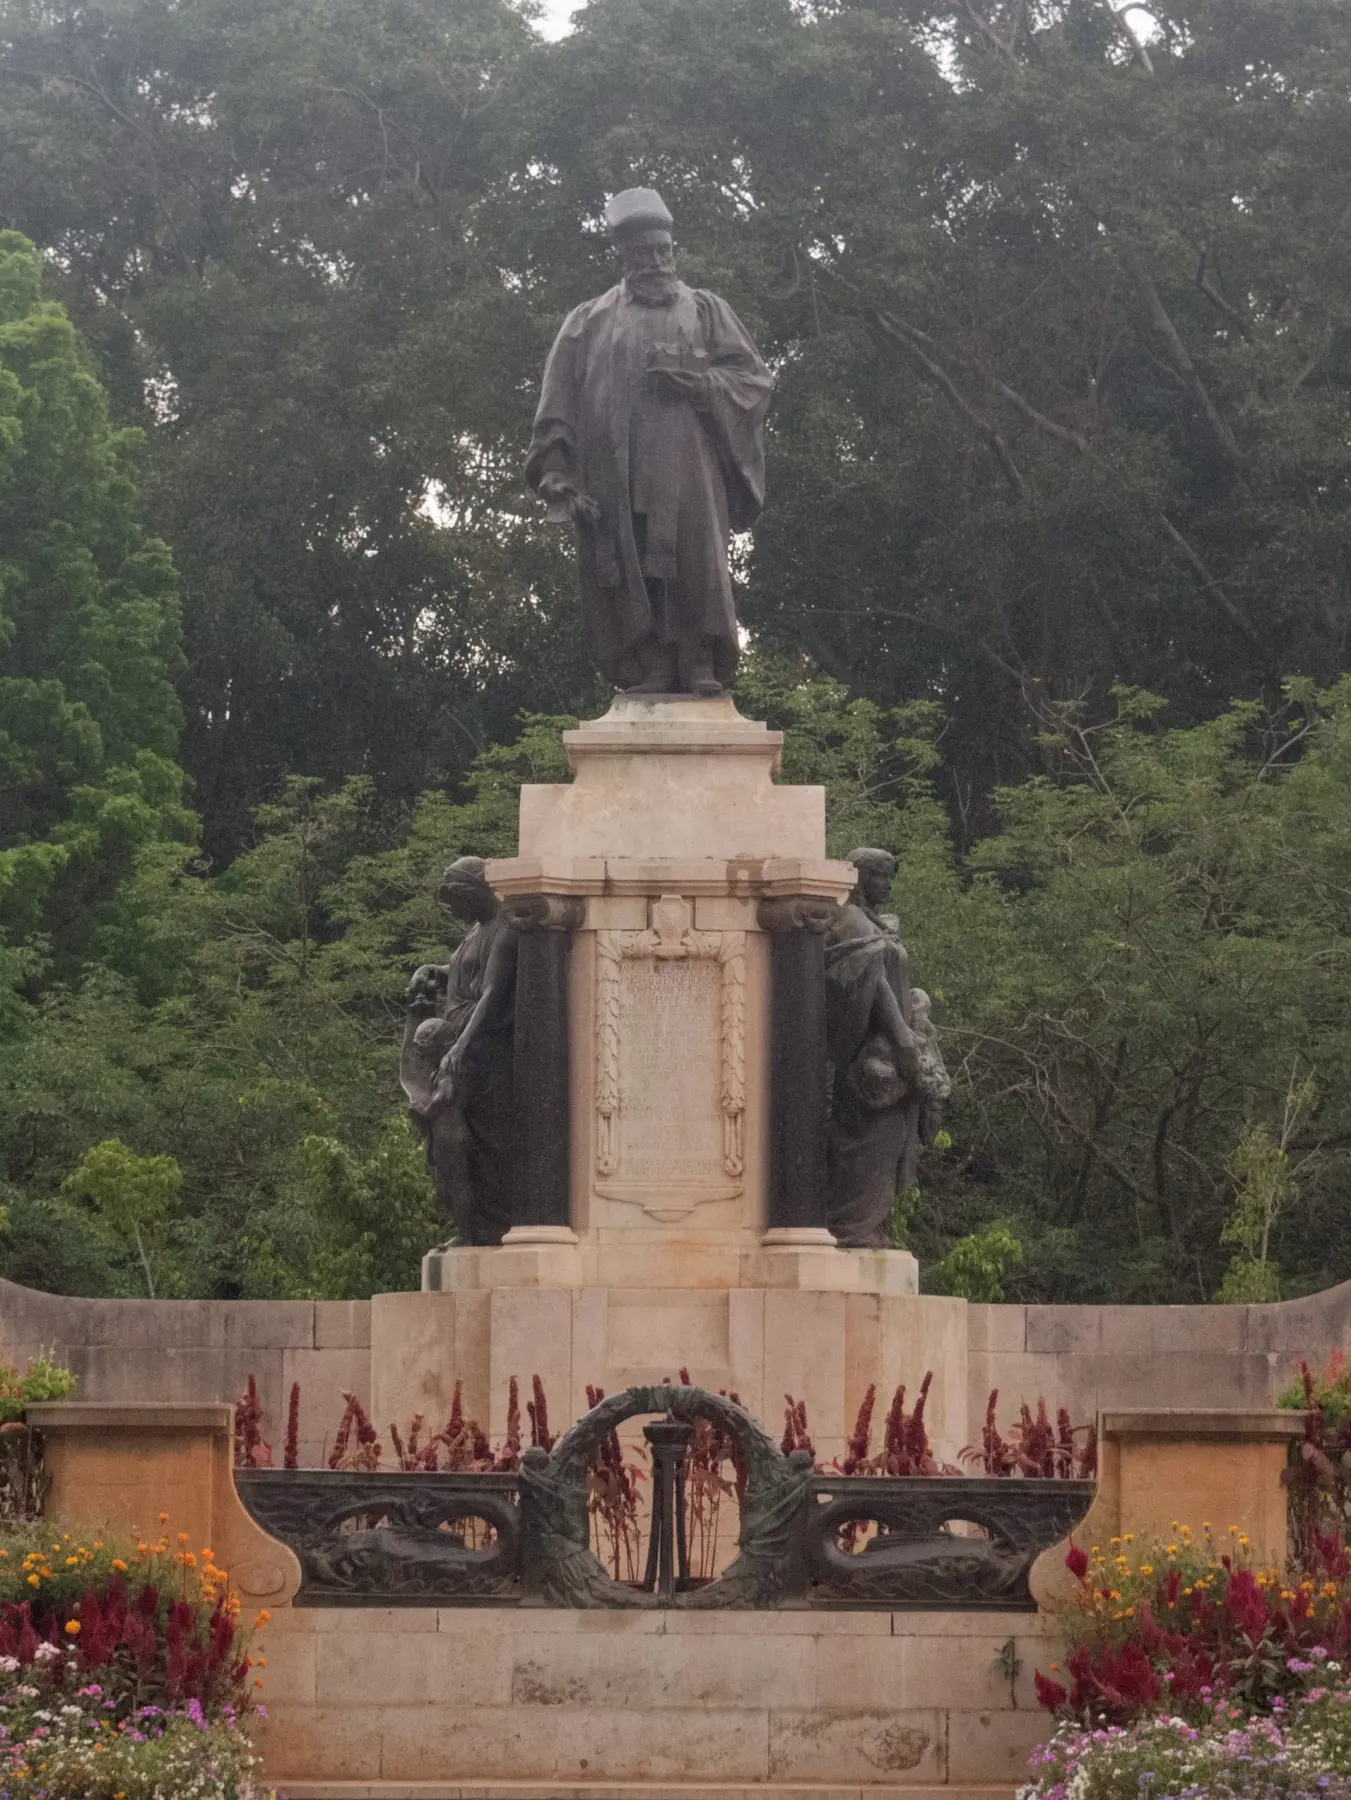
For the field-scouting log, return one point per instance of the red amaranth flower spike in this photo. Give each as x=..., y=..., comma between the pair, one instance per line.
x=863, y=1425
x=290, y=1456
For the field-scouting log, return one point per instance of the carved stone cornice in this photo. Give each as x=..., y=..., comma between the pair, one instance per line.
x=544, y=912
x=797, y=912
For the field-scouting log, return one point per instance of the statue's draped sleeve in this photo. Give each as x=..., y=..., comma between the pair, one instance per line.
x=554, y=446
x=739, y=389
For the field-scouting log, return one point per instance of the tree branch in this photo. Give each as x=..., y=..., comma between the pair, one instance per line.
x=1211, y=587
x=986, y=30
x=1220, y=431
x=1213, y=294
x=1128, y=32
x=900, y=333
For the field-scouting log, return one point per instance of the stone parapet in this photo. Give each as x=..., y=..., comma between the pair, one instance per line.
x=119, y=1467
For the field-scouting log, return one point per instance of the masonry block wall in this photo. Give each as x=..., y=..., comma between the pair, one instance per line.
x=1087, y=1358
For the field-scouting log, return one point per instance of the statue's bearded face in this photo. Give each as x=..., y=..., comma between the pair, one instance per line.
x=649, y=266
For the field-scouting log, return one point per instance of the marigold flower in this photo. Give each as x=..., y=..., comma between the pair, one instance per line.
x=72, y=1628
x=119, y=1565
x=264, y=1618
x=1146, y=1568
x=164, y=1518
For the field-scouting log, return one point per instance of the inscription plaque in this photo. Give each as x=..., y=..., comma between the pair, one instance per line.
x=670, y=1063
x=670, y=1085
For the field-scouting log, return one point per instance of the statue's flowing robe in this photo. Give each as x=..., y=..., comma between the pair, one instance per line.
x=469, y=1123
x=672, y=481
x=872, y=1147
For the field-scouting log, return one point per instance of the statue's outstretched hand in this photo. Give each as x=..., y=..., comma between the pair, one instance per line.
x=567, y=501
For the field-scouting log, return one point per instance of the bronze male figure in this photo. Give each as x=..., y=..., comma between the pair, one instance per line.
x=649, y=437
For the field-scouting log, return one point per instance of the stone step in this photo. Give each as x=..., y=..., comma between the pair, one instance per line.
x=631, y=1790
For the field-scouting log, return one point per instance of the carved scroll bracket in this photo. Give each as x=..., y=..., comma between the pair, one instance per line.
x=671, y=936
x=545, y=912
x=797, y=912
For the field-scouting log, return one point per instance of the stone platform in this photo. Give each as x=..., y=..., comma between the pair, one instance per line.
x=627, y=1703
x=637, y=1790
x=823, y=1346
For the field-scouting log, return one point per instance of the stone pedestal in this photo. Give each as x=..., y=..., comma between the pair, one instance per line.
x=673, y=901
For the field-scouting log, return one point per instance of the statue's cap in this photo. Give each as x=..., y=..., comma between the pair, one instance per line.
x=636, y=209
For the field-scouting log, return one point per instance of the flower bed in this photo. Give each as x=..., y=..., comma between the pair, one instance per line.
x=1192, y=1673
x=1186, y=1622
x=1303, y=1752
x=124, y=1672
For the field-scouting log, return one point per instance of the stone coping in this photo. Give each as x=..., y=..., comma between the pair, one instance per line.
x=143, y=1415
x=748, y=877
x=672, y=724
x=1269, y=1425
x=634, y=1790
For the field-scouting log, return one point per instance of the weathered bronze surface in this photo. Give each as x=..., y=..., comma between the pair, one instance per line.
x=914, y=1561
x=649, y=438
x=457, y=1061
x=367, y=1539
x=887, y=1075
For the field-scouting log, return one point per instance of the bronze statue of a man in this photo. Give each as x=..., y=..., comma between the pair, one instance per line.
x=649, y=436
x=456, y=1067
x=887, y=1073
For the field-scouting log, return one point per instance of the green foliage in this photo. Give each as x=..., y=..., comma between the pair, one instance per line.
x=89, y=631
x=379, y=1211
x=134, y=1194
x=251, y=1035
x=43, y=1379
x=1266, y=1185
x=974, y=1267
x=1061, y=334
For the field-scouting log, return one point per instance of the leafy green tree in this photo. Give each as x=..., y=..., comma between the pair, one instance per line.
x=1129, y=968
x=380, y=1214
x=975, y=1266
x=1060, y=322
x=134, y=1194
x=89, y=633
x=270, y=220
x=1266, y=1185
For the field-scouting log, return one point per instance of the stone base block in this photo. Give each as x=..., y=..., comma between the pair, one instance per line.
x=516, y=1702
x=632, y=1790
x=778, y=1261
x=821, y=1335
